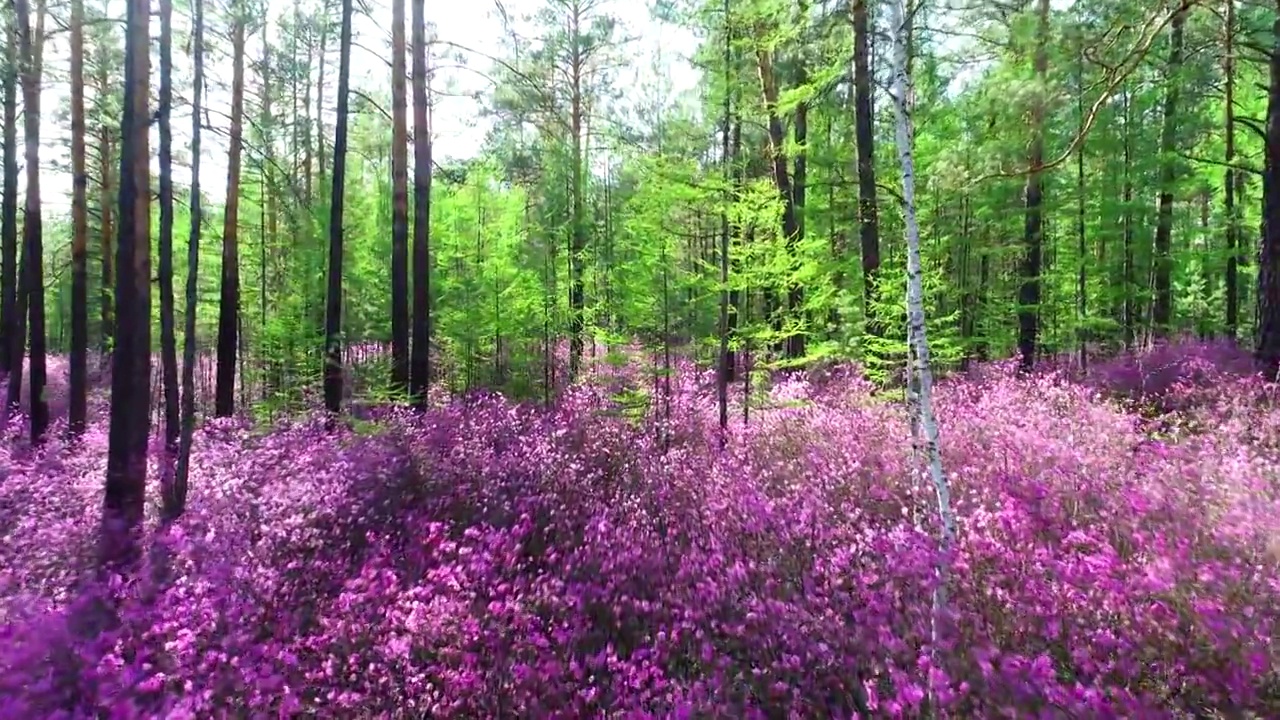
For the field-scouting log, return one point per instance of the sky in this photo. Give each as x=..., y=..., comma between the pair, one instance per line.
x=458, y=128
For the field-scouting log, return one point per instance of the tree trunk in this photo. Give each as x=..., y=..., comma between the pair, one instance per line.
x=9, y=203
x=131, y=366
x=778, y=155
x=30, y=42
x=723, y=378
x=176, y=501
x=1268, y=346
x=1029, y=290
x=864, y=132
x=399, y=206
x=79, y=232
x=1232, y=290
x=333, y=303
x=324, y=46
x=1162, y=309
x=1129, y=273
x=916, y=335
x=229, y=300
x=578, y=237
x=1082, y=255
x=799, y=184
x=168, y=341
x=106, y=239
x=420, y=362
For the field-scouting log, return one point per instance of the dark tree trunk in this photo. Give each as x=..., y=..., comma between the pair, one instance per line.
x=333, y=303
x=9, y=204
x=1232, y=290
x=168, y=340
x=175, y=502
x=131, y=366
x=399, y=206
x=79, y=360
x=29, y=46
x=1029, y=290
x=723, y=377
x=420, y=362
x=229, y=300
x=864, y=135
x=1268, y=345
x=1162, y=308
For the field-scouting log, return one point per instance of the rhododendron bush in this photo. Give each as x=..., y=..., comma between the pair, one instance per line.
x=486, y=559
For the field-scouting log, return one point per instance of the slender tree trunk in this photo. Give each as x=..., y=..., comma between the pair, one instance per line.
x=168, y=340
x=1029, y=290
x=106, y=239
x=9, y=202
x=1232, y=290
x=735, y=295
x=1082, y=254
x=79, y=232
x=30, y=42
x=917, y=338
x=324, y=46
x=175, y=502
x=229, y=300
x=1129, y=272
x=723, y=377
x=333, y=304
x=399, y=206
x=799, y=186
x=578, y=237
x=781, y=176
x=420, y=362
x=131, y=366
x=864, y=134
x=1162, y=309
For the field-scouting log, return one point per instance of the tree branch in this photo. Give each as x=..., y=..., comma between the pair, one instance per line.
x=1123, y=71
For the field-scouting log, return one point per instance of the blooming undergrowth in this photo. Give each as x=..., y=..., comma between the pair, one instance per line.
x=487, y=559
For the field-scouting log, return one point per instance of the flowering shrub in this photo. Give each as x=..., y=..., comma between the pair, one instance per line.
x=486, y=559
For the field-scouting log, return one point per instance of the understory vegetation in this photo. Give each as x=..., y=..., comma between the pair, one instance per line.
x=1117, y=555
x=576, y=359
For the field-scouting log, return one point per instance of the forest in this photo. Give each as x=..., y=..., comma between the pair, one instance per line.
x=731, y=359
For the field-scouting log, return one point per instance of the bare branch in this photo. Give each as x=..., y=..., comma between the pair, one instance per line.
x=1132, y=59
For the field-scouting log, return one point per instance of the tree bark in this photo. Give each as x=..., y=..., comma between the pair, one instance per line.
x=1268, y=344
x=1232, y=290
x=1162, y=308
x=1029, y=289
x=168, y=340
x=916, y=333
x=30, y=42
x=9, y=202
x=79, y=232
x=420, y=362
x=333, y=304
x=229, y=300
x=399, y=206
x=175, y=502
x=864, y=135
x=131, y=366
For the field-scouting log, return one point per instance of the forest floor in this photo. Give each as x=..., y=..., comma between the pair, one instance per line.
x=1118, y=555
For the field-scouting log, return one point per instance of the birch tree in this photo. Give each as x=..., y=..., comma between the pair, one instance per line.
x=916, y=335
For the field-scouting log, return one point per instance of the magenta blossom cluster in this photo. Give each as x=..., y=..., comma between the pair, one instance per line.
x=487, y=559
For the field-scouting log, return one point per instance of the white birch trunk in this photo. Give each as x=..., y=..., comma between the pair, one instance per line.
x=921, y=375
